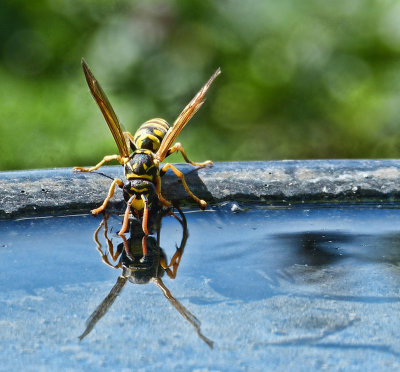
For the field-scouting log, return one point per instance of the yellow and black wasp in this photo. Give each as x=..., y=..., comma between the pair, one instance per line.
x=150, y=145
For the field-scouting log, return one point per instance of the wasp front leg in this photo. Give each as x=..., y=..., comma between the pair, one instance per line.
x=125, y=223
x=145, y=218
x=180, y=175
x=178, y=147
x=106, y=159
x=109, y=196
x=145, y=214
x=110, y=246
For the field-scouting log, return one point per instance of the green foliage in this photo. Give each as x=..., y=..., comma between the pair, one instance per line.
x=301, y=79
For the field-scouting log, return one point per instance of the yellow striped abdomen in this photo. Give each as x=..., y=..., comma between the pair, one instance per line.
x=150, y=134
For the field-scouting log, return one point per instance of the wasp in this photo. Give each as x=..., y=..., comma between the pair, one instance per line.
x=150, y=145
x=142, y=260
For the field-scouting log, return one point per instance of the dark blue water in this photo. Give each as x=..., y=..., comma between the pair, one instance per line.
x=299, y=288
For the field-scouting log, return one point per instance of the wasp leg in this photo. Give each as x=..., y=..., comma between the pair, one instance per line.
x=104, y=256
x=106, y=159
x=98, y=244
x=105, y=259
x=144, y=247
x=110, y=247
x=178, y=147
x=109, y=196
x=126, y=248
x=145, y=214
x=126, y=215
x=165, y=202
x=127, y=211
x=174, y=263
x=180, y=175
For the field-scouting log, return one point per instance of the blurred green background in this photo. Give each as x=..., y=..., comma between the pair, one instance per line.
x=301, y=79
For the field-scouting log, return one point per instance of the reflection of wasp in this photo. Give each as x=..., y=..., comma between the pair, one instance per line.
x=151, y=144
x=142, y=261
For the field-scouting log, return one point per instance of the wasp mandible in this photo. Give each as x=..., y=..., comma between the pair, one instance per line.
x=150, y=145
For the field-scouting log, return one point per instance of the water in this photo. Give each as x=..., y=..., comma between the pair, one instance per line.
x=294, y=288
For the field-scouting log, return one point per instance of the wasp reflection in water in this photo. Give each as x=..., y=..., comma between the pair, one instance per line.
x=142, y=260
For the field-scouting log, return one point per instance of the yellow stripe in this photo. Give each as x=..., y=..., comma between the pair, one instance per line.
x=139, y=190
x=153, y=138
x=159, y=133
x=133, y=175
x=138, y=142
x=144, y=151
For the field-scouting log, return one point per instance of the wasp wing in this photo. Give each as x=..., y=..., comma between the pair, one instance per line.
x=183, y=311
x=102, y=309
x=184, y=117
x=107, y=110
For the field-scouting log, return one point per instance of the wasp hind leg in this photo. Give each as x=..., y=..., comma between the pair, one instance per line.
x=180, y=175
x=106, y=159
x=109, y=196
x=178, y=147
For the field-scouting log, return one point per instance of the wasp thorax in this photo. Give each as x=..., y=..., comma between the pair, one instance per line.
x=141, y=165
x=150, y=134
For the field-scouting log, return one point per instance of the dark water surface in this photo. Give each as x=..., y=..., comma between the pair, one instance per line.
x=296, y=288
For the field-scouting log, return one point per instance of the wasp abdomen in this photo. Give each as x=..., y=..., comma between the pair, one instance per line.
x=150, y=134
